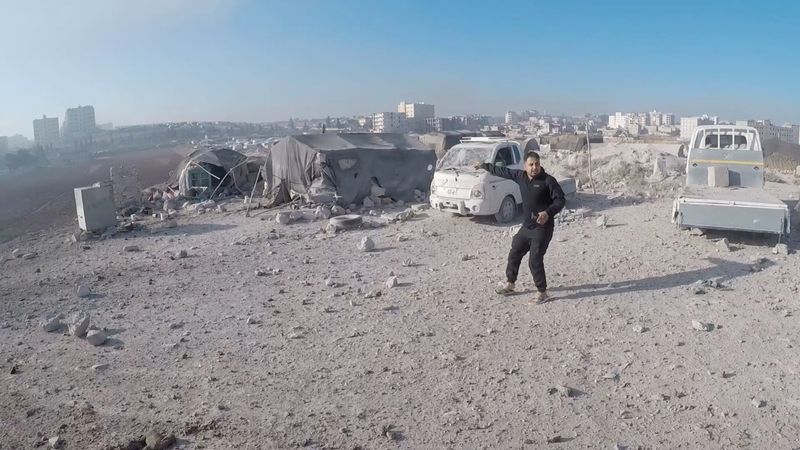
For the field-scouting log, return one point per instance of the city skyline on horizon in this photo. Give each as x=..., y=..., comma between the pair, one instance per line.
x=245, y=61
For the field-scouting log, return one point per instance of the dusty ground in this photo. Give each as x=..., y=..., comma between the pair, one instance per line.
x=439, y=361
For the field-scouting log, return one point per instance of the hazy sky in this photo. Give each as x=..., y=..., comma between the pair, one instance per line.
x=149, y=61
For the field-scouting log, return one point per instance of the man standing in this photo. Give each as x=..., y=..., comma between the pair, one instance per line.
x=542, y=198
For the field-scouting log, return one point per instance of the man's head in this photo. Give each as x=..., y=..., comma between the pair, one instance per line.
x=532, y=164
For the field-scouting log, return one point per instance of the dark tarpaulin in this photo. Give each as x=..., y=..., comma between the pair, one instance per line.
x=348, y=165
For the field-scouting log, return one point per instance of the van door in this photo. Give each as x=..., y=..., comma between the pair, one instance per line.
x=511, y=159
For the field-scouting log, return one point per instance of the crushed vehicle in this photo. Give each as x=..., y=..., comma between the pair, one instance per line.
x=460, y=189
x=725, y=184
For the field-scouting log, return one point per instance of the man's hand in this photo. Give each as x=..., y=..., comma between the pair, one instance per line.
x=542, y=218
x=476, y=165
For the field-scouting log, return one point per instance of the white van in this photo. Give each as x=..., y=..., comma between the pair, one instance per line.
x=458, y=188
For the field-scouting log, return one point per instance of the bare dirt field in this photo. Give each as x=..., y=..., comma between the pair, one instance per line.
x=204, y=348
x=43, y=198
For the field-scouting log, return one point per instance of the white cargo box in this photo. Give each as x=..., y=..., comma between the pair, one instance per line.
x=95, y=207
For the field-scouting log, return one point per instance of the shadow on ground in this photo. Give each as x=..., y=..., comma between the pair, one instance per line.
x=722, y=270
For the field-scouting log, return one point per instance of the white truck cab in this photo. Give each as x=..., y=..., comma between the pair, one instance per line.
x=458, y=188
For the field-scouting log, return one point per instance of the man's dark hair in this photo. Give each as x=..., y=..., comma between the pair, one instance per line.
x=532, y=154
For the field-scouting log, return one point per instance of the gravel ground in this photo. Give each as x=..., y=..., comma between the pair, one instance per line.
x=204, y=348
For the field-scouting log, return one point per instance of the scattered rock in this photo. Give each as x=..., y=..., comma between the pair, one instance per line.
x=157, y=441
x=56, y=442
x=468, y=257
x=781, y=249
x=366, y=244
x=563, y=390
x=260, y=273
x=601, y=221
x=181, y=254
x=50, y=323
x=723, y=245
x=758, y=403
x=418, y=207
x=640, y=329
x=702, y=326
x=100, y=367
x=96, y=337
x=283, y=218
x=338, y=211
x=368, y=203
x=29, y=256
x=130, y=248
x=697, y=232
x=253, y=320
x=221, y=209
x=330, y=283
x=391, y=282
x=84, y=291
x=16, y=253
x=78, y=324
x=322, y=212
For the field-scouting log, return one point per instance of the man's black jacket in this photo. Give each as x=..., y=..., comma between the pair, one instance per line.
x=542, y=193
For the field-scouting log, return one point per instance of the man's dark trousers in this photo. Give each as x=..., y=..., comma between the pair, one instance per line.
x=535, y=241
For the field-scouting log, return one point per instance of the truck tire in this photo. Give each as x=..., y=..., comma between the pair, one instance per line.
x=508, y=210
x=346, y=222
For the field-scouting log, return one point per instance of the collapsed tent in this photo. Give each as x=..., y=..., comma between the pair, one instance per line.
x=570, y=142
x=206, y=171
x=345, y=167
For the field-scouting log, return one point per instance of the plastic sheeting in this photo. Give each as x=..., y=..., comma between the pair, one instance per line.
x=347, y=166
x=230, y=169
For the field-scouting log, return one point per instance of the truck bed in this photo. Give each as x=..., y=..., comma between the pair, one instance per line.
x=730, y=208
x=731, y=195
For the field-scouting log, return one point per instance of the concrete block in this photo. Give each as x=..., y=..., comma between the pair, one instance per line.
x=95, y=207
x=718, y=176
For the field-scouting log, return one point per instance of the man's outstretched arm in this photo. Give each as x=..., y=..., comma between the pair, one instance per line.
x=502, y=172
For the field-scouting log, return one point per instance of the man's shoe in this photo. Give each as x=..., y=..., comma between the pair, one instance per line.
x=541, y=297
x=505, y=290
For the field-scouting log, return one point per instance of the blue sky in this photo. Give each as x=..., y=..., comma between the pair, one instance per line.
x=175, y=60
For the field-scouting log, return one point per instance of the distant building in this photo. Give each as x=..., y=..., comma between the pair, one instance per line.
x=619, y=120
x=690, y=124
x=440, y=124
x=45, y=131
x=511, y=117
x=389, y=122
x=416, y=115
x=787, y=133
x=79, y=120
x=3, y=144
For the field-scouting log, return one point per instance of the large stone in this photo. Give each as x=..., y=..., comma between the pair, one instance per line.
x=16, y=253
x=391, y=282
x=56, y=442
x=366, y=244
x=78, y=324
x=702, y=326
x=29, y=255
x=96, y=337
x=50, y=323
x=283, y=218
x=723, y=245
x=322, y=212
x=601, y=221
x=84, y=291
x=338, y=211
x=130, y=248
x=781, y=249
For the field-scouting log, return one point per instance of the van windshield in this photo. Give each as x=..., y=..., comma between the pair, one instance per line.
x=465, y=155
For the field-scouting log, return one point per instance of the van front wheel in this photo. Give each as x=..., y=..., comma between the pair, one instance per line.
x=508, y=210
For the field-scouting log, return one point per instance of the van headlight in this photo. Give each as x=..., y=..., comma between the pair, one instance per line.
x=477, y=191
x=433, y=188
